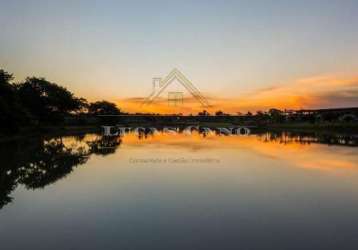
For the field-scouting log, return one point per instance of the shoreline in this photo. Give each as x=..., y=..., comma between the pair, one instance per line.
x=50, y=130
x=77, y=130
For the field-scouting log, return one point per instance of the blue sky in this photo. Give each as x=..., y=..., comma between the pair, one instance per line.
x=113, y=48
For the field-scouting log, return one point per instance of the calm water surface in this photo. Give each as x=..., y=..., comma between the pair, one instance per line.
x=165, y=191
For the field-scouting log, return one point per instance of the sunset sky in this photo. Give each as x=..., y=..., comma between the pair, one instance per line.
x=243, y=55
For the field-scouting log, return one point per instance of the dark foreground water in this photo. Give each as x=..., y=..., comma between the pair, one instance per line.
x=165, y=191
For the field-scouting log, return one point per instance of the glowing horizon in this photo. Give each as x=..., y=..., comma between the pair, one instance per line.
x=314, y=92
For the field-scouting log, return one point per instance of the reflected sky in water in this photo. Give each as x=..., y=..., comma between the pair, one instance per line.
x=165, y=191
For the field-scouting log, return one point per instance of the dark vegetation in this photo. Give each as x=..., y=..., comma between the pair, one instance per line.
x=344, y=119
x=36, y=102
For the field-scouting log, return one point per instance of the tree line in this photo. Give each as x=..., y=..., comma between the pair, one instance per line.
x=37, y=101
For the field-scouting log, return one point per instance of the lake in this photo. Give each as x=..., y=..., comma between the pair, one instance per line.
x=272, y=190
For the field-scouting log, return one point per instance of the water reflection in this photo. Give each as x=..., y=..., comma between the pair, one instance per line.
x=40, y=161
x=309, y=137
x=271, y=136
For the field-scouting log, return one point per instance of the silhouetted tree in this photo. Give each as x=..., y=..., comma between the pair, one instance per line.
x=204, y=113
x=103, y=108
x=276, y=115
x=12, y=114
x=219, y=113
x=47, y=101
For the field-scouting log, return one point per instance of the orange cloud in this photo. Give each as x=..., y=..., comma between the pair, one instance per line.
x=311, y=92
